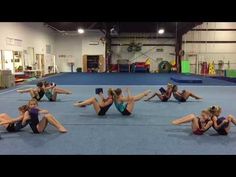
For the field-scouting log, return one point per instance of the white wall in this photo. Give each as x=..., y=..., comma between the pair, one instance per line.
x=34, y=35
x=213, y=51
x=77, y=46
x=68, y=45
x=37, y=35
x=31, y=34
x=93, y=49
x=1, y=60
x=120, y=52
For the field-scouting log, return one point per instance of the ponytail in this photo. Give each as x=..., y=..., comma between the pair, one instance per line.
x=112, y=93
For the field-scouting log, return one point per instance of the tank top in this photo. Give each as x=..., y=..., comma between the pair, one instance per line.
x=34, y=120
x=120, y=106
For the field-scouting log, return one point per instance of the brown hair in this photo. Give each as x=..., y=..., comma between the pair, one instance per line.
x=111, y=92
x=40, y=84
x=175, y=88
x=118, y=91
x=114, y=93
x=23, y=108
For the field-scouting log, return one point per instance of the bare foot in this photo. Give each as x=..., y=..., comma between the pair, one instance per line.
x=175, y=122
x=62, y=130
x=198, y=98
x=76, y=104
x=147, y=92
x=20, y=91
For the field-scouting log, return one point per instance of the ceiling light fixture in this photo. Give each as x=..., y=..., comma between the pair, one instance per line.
x=161, y=31
x=80, y=31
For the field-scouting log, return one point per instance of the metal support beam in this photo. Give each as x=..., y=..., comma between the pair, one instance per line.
x=108, y=53
x=179, y=35
x=178, y=47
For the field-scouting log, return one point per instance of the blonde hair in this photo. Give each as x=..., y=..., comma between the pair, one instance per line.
x=110, y=91
x=206, y=111
x=34, y=101
x=169, y=85
x=215, y=110
x=113, y=93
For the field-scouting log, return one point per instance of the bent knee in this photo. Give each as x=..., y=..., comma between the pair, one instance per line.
x=47, y=115
x=94, y=99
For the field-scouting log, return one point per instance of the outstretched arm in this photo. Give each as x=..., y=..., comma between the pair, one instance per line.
x=27, y=90
x=48, y=87
x=20, y=118
x=106, y=103
x=43, y=111
x=124, y=99
x=127, y=90
x=207, y=126
x=178, y=94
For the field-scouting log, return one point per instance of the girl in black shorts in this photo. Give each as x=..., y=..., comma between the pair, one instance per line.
x=36, y=93
x=221, y=124
x=11, y=124
x=51, y=91
x=100, y=105
x=125, y=104
x=199, y=124
x=38, y=126
x=164, y=95
x=184, y=95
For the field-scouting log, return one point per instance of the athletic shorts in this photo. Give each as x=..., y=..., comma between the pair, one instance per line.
x=11, y=127
x=102, y=112
x=198, y=132
x=126, y=112
x=164, y=99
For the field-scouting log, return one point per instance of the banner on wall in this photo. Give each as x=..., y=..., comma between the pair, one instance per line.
x=14, y=42
x=66, y=62
x=67, y=58
x=48, y=49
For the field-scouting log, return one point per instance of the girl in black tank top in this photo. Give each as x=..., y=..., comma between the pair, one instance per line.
x=164, y=95
x=184, y=95
x=199, y=124
x=11, y=124
x=221, y=124
x=38, y=126
x=35, y=93
x=101, y=106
